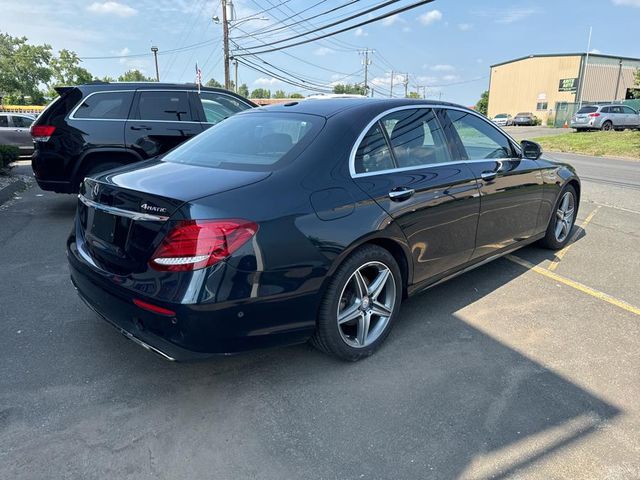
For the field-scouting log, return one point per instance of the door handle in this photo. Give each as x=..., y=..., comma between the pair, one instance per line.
x=401, y=194
x=141, y=127
x=488, y=175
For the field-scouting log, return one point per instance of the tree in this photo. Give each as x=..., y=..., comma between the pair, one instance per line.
x=243, y=90
x=413, y=95
x=24, y=69
x=635, y=92
x=483, y=104
x=261, y=93
x=296, y=95
x=135, y=76
x=66, y=70
x=213, y=83
x=280, y=94
x=349, y=89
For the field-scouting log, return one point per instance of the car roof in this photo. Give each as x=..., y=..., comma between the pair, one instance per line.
x=330, y=107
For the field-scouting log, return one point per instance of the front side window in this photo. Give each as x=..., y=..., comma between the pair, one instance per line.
x=629, y=110
x=166, y=106
x=218, y=106
x=478, y=137
x=254, y=141
x=22, y=122
x=616, y=109
x=107, y=105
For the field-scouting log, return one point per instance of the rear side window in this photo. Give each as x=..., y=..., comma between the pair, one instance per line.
x=373, y=154
x=479, y=138
x=255, y=142
x=4, y=120
x=167, y=106
x=105, y=105
x=605, y=110
x=416, y=137
x=588, y=110
x=218, y=106
x=22, y=122
x=616, y=110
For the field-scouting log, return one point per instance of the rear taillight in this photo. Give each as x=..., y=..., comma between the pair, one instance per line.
x=42, y=133
x=194, y=244
x=594, y=114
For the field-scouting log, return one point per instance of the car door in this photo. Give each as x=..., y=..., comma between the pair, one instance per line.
x=404, y=163
x=618, y=116
x=7, y=135
x=632, y=119
x=159, y=121
x=213, y=107
x=21, y=125
x=510, y=186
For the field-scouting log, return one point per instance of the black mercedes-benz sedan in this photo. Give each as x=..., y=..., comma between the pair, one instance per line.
x=310, y=220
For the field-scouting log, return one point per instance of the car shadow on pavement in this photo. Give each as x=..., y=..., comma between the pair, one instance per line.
x=441, y=399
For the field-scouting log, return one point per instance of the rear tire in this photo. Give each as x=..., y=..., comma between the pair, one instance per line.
x=351, y=321
x=607, y=126
x=562, y=220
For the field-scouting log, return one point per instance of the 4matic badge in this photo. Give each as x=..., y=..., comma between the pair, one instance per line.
x=152, y=208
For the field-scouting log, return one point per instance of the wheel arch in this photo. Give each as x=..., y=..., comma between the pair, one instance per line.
x=102, y=155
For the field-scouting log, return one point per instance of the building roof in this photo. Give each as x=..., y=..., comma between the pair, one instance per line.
x=541, y=55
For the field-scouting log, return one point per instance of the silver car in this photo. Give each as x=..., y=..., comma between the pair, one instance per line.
x=605, y=117
x=14, y=130
x=503, y=119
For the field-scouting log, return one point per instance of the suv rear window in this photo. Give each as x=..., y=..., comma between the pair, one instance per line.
x=105, y=105
x=256, y=142
x=587, y=110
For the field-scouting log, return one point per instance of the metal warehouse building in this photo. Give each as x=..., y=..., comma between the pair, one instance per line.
x=552, y=85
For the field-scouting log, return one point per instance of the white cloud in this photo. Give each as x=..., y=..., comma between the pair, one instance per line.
x=406, y=29
x=112, y=8
x=360, y=32
x=266, y=81
x=124, y=52
x=450, y=78
x=322, y=51
x=443, y=68
x=627, y=3
x=391, y=20
x=430, y=17
x=479, y=60
x=385, y=81
x=464, y=26
x=426, y=79
x=595, y=51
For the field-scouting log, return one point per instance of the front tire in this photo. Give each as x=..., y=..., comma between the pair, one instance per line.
x=360, y=305
x=562, y=220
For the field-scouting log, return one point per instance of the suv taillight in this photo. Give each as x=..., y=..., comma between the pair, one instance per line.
x=195, y=244
x=594, y=114
x=42, y=133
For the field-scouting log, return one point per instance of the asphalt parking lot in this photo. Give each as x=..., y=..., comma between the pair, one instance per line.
x=526, y=367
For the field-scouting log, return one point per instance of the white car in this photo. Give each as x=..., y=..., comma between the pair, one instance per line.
x=503, y=119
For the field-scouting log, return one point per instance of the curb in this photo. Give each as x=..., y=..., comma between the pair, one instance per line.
x=7, y=192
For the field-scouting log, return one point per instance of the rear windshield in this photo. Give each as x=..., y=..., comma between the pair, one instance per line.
x=524, y=114
x=501, y=115
x=587, y=110
x=254, y=141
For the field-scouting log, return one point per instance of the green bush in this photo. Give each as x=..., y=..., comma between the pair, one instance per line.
x=8, y=154
x=551, y=121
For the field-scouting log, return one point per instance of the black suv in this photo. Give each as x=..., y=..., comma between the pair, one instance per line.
x=100, y=126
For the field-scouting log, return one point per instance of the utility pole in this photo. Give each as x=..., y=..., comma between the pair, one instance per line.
x=225, y=43
x=155, y=57
x=418, y=87
x=366, y=62
x=235, y=83
x=406, y=85
x=391, y=86
x=581, y=80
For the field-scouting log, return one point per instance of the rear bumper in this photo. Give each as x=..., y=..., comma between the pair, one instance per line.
x=200, y=330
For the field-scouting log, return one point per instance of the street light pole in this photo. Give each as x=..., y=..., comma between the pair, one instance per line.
x=155, y=57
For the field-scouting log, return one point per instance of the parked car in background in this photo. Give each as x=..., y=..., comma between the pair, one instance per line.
x=100, y=126
x=525, y=118
x=308, y=220
x=503, y=119
x=14, y=130
x=605, y=117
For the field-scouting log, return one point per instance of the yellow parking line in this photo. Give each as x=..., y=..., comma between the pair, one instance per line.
x=573, y=238
x=577, y=285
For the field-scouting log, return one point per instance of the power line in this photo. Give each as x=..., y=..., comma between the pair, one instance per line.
x=366, y=22
x=282, y=79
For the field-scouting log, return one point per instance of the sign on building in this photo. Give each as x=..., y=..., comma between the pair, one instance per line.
x=568, y=85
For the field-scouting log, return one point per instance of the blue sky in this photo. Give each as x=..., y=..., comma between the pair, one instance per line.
x=446, y=45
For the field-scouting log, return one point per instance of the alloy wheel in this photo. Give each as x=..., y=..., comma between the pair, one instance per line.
x=564, y=216
x=366, y=304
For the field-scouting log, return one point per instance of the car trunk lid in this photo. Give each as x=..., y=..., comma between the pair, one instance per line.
x=124, y=214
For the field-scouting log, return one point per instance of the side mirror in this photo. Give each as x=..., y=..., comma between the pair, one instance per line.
x=531, y=149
